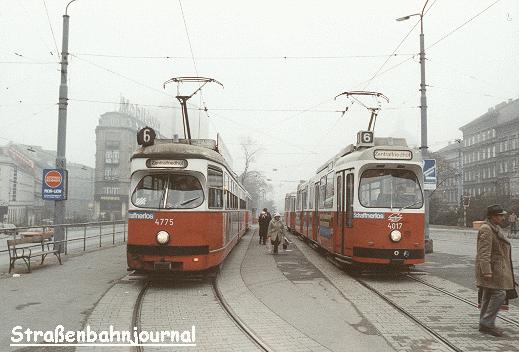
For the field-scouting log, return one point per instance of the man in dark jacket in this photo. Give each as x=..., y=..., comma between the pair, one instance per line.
x=493, y=269
x=263, y=221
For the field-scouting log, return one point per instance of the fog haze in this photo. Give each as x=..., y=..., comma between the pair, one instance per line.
x=281, y=64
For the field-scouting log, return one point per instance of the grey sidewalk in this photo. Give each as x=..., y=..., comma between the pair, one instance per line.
x=291, y=305
x=58, y=294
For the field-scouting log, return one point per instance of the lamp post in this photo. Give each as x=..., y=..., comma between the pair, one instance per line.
x=423, y=114
x=460, y=181
x=61, y=161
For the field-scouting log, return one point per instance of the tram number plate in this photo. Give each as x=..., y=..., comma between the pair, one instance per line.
x=163, y=222
x=395, y=225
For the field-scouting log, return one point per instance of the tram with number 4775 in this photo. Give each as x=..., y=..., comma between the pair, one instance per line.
x=187, y=209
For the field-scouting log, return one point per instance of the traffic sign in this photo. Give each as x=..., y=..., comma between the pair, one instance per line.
x=54, y=184
x=429, y=174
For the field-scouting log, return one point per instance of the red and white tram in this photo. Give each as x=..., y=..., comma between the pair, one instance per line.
x=365, y=205
x=290, y=206
x=187, y=209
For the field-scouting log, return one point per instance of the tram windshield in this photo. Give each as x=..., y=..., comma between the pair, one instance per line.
x=168, y=191
x=385, y=188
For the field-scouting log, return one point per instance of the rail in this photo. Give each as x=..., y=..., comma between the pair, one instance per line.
x=78, y=236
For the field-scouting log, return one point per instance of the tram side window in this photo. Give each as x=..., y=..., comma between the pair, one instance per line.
x=322, y=192
x=328, y=202
x=349, y=200
x=305, y=198
x=215, y=187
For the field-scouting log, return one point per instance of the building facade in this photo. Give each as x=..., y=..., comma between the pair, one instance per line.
x=116, y=140
x=21, y=174
x=450, y=173
x=491, y=152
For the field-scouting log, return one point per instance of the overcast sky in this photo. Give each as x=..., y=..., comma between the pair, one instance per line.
x=281, y=63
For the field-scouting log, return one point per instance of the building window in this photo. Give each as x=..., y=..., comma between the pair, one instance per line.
x=111, y=190
x=112, y=157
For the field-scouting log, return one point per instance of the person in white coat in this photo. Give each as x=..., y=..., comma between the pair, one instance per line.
x=276, y=231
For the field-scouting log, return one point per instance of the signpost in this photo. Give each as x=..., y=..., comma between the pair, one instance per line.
x=429, y=174
x=54, y=184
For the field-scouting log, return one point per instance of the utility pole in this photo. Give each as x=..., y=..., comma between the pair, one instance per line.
x=460, y=181
x=423, y=120
x=61, y=161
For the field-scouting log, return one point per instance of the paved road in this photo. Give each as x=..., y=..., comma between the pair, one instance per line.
x=56, y=294
x=454, y=254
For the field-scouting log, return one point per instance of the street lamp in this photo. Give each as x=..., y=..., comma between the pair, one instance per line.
x=423, y=111
x=61, y=161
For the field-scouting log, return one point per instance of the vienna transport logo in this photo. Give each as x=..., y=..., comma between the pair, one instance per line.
x=395, y=217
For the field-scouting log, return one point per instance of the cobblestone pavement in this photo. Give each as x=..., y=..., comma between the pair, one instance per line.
x=114, y=308
x=400, y=331
x=270, y=327
x=58, y=294
x=454, y=254
x=168, y=306
x=296, y=291
x=454, y=320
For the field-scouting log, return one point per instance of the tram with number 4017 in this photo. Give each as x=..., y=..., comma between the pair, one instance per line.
x=187, y=209
x=365, y=205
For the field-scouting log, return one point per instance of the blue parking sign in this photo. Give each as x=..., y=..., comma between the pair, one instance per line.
x=429, y=174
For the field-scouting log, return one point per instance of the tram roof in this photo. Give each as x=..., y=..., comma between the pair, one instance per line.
x=168, y=148
x=357, y=153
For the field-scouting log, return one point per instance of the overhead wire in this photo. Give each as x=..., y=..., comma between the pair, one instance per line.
x=279, y=57
x=396, y=48
x=50, y=26
x=201, y=100
x=121, y=75
x=463, y=24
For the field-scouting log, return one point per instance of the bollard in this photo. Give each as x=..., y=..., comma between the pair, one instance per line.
x=124, y=232
x=84, y=238
x=100, y=232
x=113, y=232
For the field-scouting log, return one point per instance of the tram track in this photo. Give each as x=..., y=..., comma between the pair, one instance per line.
x=408, y=309
x=136, y=315
x=459, y=298
x=239, y=323
x=213, y=283
x=406, y=313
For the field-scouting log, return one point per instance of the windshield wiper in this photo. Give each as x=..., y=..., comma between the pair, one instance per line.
x=189, y=201
x=410, y=205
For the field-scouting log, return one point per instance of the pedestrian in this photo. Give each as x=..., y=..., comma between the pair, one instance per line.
x=494, y=275
x=264, y=221
x=276, y=232
x=512, y=219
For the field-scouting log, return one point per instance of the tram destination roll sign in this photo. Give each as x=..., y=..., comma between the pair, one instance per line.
x=388, y=154
x=54, y=184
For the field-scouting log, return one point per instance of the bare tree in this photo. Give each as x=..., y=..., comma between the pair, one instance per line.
x=250, y=151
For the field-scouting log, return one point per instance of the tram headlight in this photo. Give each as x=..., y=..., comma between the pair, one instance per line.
x=162, y=237
x=395, y=236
